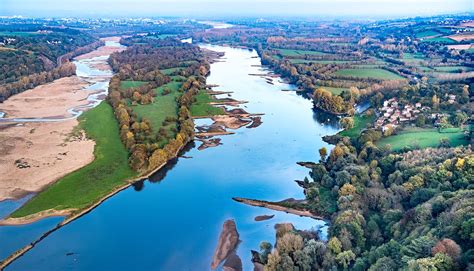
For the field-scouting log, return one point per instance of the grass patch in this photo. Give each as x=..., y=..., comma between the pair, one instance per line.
x=201, y=106
x=170, y=70
x=131, y=84
x=369, y=73
x=427, y=33
x=423, y=138
x=296, y=53
x=452, y=69
x=82, y=187
x=409, y=57
x=360, y=123
x=162, y=107
x=443, y=40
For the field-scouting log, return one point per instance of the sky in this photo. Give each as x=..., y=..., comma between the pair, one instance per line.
x=203, y=8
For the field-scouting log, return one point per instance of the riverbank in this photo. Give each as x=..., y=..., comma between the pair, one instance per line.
x=36, y=154
x=71, y=184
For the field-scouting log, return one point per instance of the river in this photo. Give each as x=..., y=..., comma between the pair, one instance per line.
x=172, y=221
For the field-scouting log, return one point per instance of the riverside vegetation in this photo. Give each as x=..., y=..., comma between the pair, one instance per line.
x=397, y=187
x=152, y=122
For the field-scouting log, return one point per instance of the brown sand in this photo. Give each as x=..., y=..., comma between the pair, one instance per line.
x=228, y=241
x=33, y=155
x=263, y=217
x=230, y=122
x=47, y=101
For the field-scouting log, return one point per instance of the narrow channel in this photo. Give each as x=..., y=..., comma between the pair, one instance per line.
x=172, y=221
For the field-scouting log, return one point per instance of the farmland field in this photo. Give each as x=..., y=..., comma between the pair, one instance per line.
x=423, y=138
x=427, y=33
x=170, y=70
x=293, y=52
x=369, y=73
x=131, y=84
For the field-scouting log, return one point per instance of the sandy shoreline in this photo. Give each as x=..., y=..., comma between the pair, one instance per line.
x=33, y=155
x=47, y=101
x=71, y=214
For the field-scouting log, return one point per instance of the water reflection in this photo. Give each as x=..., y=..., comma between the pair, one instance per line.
x=175, y=225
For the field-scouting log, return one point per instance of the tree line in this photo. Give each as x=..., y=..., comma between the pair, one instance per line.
x=33, y=80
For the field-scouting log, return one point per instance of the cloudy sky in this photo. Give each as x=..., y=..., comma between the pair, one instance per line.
x=111, y=8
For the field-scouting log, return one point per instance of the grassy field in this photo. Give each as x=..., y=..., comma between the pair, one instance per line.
x=84, y=186
x=201, y=106
x=423, y=138
x=360, y=123
x=131, y=84
x=427, y=33
x=440, y=39
x=162, y=107
x=296, y=53
x=410, y=58
x=170, y=70
x=333, y=90
x=369, y=73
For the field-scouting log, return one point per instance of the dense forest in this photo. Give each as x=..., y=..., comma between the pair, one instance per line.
x=388, y=211
x=32, y=54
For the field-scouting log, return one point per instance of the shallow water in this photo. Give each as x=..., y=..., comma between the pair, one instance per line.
x=173, y=220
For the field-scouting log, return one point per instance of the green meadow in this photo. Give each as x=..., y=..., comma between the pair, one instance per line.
x=369, y=73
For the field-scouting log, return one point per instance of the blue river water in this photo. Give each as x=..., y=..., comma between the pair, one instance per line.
x=172, y=221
